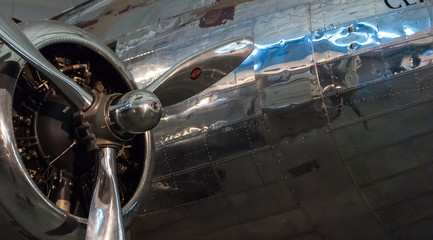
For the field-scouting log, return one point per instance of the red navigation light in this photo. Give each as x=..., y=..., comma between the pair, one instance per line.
x=195, y=73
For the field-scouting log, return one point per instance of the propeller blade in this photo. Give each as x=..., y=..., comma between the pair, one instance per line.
x=200, y=71
x=105, y=216
x=15, y=39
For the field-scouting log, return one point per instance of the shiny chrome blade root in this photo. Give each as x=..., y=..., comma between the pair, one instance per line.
x=105, y=216
x=19, y=43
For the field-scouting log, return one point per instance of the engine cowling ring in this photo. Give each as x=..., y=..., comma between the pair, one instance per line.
x=19, y=195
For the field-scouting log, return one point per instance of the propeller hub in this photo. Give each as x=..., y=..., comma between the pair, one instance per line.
x=135, y=112
x=113, y=119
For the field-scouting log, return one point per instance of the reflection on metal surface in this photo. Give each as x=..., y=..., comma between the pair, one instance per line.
x=339, y=88
x=322, y=129
x=176, y=84
x=135, y=112
x=105, y=215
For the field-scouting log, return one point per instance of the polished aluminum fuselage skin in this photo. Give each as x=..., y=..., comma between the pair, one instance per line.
x=324, y=132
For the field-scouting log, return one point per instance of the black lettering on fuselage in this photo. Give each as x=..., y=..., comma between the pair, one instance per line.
x=392, y=7
x=406, y=3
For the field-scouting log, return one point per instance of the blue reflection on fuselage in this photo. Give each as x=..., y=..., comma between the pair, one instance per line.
x=281, y=51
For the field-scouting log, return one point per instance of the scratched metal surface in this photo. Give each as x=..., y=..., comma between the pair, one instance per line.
x=324, y=132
